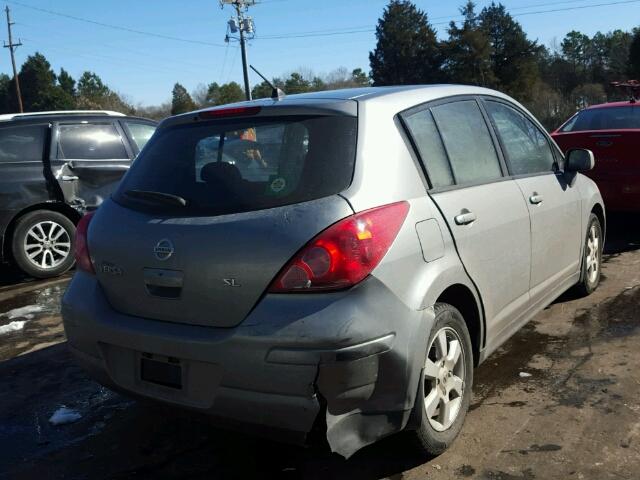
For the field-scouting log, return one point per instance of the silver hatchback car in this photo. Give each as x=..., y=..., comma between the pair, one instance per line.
x=335, y=262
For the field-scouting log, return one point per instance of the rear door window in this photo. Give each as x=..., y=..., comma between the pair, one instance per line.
x=90, y=141
x=229, y=166
x=22, y=143
x=468, y=142
x=525, y=146
x=607, y=118
x=429, y=144
x=140, y=133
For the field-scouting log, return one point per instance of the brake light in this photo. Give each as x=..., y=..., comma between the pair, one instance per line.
x=230, y=112
x=83, y=260
x=345, y=253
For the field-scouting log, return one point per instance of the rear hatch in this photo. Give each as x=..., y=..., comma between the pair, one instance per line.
x=212, y=209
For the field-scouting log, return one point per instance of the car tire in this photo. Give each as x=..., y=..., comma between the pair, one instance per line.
x=434, y=433
x=591, y=258
x=42, y=243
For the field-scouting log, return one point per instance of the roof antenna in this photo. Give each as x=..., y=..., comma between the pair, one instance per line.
x=276, y=93
x=632, y=87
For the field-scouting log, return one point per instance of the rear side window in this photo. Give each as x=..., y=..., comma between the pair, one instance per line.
x=85, y=141
x=608, y=118
x=22, y=144
x=467, y=141
x=140, y=132
x=526, y=147
x=427, y=139
x=246, y=164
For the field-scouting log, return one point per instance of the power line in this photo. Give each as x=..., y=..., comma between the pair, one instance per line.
x=67, y=40
x=368, y=29
x=116, y=27
x=522, y=7
x=582, y=7
x=224, y=61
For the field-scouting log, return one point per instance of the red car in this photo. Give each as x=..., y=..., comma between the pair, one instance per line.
x=612, y=132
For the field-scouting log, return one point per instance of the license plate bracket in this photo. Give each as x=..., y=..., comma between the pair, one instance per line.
x=167, y=374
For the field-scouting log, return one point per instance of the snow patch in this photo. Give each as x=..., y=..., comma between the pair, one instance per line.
x=64, y=415
x=23, y=312
x=525, y=374
x=12, y=327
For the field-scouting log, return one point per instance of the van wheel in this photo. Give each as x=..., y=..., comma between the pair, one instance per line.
x=591, y=259
x=43, y=243
x=444, y=393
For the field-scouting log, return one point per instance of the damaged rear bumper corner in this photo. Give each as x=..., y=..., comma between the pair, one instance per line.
x=354, y=361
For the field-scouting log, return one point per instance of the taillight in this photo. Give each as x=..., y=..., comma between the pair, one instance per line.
x=83, y=260
x=343, y=254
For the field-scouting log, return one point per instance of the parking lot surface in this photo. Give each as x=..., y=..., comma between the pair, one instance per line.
x=559, y=400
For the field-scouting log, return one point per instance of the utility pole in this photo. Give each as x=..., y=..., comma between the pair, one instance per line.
x=244, y=26
x=12, y=48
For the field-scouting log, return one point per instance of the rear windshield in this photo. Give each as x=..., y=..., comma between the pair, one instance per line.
x=241, y=165
x=610, y=118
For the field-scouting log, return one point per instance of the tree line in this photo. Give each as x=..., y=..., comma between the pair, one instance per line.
x=487, y=48
x=490, y=48
x=42, y=90
x=301, y=81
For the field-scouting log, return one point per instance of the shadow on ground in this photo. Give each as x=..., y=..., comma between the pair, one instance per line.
x=623, y=234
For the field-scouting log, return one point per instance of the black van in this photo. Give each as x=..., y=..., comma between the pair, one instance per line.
x=54, y=166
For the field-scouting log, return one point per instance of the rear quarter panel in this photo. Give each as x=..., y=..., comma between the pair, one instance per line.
x=387, y=171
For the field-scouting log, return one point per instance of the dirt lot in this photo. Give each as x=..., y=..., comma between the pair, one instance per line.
x=577, y=416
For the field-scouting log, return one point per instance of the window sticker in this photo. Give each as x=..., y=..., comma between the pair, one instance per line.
x=278, y=184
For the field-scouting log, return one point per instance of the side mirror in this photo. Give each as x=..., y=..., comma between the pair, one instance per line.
x=579, y=160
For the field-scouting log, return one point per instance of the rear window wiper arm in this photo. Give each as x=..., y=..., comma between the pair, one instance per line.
x=156, y=197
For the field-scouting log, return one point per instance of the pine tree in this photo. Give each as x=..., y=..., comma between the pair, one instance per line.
x=468, y=51
x=407, y=50
x=67, y=83
x=39, y=88
x=230, y=93
x=514, y=58
x=359, y=78
x=181, y=101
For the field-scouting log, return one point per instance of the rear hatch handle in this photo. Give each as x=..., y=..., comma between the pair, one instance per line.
x=163, y=283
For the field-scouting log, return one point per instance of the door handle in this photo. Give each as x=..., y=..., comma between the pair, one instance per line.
x=465, y=218
x=536, y=199
x=69, y=178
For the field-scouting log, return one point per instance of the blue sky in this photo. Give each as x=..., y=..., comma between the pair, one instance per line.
x=145, y=67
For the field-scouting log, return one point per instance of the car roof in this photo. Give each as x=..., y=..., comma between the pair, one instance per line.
x=611, y=105
x=365, y=94
x=66, y=114
x=397, y=98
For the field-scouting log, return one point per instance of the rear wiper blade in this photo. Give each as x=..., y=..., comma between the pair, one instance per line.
x=157, y=197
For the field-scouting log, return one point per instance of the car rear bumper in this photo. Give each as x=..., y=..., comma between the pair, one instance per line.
x=353, y=356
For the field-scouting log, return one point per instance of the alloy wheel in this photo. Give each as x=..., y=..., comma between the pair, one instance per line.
x=47, y=244
x=593, y=254
x=444, y=376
